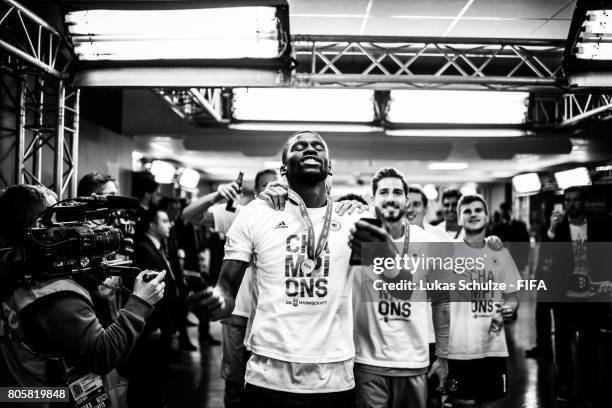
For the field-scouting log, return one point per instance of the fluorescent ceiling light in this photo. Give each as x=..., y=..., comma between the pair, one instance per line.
x=316, y=105
x=594, y=51
x=527, y=183
x=447, y=166
x=469, y=189
x=574, y=177
x=163, y=171
x=456, y=132
x=430, y=191
x=597, y=22
x=217, y=33
x=298, y=126
x=486, y=107
x=189, y=178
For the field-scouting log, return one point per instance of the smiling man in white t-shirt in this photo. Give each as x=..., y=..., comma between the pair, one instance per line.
x=477, y=350
x=301, y=336
x=392, y=334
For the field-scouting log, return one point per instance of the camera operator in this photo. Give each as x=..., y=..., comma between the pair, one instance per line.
x=52, y=336
x=106, y=301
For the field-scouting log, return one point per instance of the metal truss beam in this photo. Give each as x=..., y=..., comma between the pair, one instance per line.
x=196, y=104
x=39, y=115
x=41, y=132
x=392, y=62
x=30, y=43
x=570, y=109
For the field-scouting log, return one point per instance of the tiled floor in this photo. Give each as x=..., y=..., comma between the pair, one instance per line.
x=195, y=382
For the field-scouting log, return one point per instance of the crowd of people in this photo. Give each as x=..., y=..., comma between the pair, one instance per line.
x=292, y=286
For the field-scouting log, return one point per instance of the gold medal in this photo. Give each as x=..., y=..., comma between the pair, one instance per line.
x=307, y=266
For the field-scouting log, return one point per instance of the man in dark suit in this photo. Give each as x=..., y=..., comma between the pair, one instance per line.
x=514, y=234
x=146, y=365
x=573, y=246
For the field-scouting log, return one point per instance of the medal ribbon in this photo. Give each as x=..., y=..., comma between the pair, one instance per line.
x=313, y=254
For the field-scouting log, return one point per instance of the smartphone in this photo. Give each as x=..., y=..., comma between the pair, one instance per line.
x=373, y=221
x=558, y=208
x=356, y=255
x=194, y=281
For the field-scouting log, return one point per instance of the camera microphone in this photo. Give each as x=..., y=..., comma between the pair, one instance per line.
x=113, y=202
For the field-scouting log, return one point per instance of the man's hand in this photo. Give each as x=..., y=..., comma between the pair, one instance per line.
x=275, y=194
x=494, y=242
x=439, y=368
x=507, y=312
x=555, y=219
x=151, y=291
x=230, y=191
x=210, y=303
x=364, y=232
x=350, y=206
x=605, y=287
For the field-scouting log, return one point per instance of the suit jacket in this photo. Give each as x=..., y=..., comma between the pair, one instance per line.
x=559, y=255
x=146, y=256
x=516, y=237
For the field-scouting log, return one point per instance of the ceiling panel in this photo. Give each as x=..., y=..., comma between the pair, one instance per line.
x=515, y=8
x=495, y=29
x=567, y=12
x=417, y=7
x=405, y=27
x=331, y=26
x=357, y=7
x=553, y=29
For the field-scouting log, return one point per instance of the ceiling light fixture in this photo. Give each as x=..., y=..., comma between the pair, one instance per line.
x=456, y=132
x=528, y=183
x=466, y=107
x=163, y=171
x=189, y=178
x=311, y=105
x=574, y=177
x=448, y=166
x=214, y=33
x=296, y=126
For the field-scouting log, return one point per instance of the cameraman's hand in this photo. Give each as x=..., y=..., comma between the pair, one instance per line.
x=152, y=291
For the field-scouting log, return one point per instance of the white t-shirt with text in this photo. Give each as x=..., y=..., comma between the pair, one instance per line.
x=299, y=318
x=391, y=332
x=470, y=334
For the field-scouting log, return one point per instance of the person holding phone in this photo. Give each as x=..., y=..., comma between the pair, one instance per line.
x=392, y=334
x=572, y=247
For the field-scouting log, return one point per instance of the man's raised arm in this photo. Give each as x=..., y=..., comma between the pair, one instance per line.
x=197, y=211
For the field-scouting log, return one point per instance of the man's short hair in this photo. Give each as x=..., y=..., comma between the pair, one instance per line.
x=578, y=189
x=471, y=198
x=92, y=182
x=451, y=192
x=19, y=207
x=417, y=190
x=143, y=182
x=293, y=136
x=387, y=172
x=147, y=217
x=262, y=173
x=352, y=197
